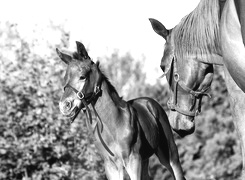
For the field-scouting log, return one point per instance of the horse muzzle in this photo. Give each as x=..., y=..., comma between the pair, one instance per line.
x=69, y=109
x=181, y=124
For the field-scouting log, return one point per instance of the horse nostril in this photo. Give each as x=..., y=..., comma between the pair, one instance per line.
x=67, y=105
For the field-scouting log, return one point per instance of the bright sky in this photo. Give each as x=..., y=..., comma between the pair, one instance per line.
x=103, y=25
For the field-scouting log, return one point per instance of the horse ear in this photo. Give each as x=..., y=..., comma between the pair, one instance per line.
x=97, y=64
x=82, y=52
x=159, y=28
x=64, y=57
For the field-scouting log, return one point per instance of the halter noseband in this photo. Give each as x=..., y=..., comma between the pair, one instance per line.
x=82, y=96
x=196, y=94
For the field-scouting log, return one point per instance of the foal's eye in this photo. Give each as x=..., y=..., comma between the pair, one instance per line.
x=82, y=78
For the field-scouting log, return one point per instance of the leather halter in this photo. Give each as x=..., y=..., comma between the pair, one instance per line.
x=192, y=112
x=86, y=100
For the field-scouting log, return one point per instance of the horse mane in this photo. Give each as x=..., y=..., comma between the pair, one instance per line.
x=75, y=55
x=198, y=32
x=112, y=90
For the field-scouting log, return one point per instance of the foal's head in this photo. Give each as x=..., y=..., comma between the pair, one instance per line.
x=80, y=81
x=188, y=79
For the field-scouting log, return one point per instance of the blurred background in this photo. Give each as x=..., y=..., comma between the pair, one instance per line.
x=37, y=143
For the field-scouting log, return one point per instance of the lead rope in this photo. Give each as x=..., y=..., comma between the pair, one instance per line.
x=98, y=118
x=89, y=120
x=88, y=113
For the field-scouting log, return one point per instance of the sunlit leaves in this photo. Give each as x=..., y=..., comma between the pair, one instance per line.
x=36, y=141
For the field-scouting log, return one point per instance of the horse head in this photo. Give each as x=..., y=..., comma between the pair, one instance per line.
x=188, y=78
x=81, y=81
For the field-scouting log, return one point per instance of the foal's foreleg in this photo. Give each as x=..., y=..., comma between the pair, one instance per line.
x=113, y=171
x=169, y=157
x=136, y=168
x=144, y=172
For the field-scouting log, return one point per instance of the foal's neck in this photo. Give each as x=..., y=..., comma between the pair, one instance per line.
x=109, y=103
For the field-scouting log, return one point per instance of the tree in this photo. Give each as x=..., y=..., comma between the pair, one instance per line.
x=36, y=142
x=125, y=73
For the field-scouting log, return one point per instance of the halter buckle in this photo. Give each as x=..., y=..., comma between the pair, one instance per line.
x=97, y=90
x=176, y=77
x=80, y=95
x=197, y=112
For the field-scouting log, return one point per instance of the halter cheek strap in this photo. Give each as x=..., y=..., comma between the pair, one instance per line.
x=196, y=94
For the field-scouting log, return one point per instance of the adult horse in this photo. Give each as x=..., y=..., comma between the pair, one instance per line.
x=126, y=133
x=213, y=33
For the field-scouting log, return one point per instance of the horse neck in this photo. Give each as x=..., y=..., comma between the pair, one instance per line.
x=108, y=104
x=207, y=58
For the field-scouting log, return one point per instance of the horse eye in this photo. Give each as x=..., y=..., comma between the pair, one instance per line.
x=82, y=78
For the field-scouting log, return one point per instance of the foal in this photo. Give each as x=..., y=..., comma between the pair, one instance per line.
x=126, y=133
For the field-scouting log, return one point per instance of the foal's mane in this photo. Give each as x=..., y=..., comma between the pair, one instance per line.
x=198, y=32
x=75, y=55
x=112, y=90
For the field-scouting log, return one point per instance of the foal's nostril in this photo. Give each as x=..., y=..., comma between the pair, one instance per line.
x=67, y=105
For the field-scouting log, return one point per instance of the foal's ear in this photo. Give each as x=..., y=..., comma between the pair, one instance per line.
x=97, y=64
x=159, y=28
x=82, y=52
x=64, y=57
